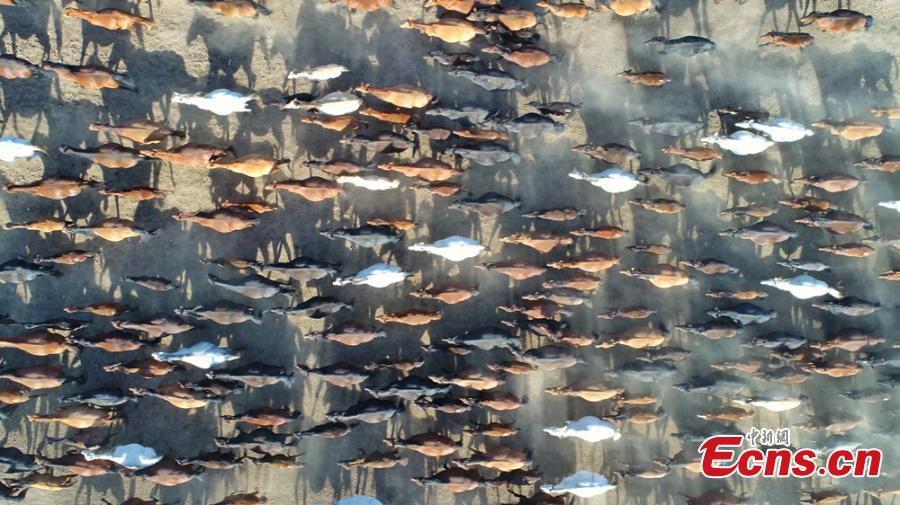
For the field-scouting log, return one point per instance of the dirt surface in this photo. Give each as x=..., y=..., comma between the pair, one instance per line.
x=192, y=50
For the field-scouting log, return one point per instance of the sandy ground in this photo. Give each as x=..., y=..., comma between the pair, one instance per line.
x=190, y=50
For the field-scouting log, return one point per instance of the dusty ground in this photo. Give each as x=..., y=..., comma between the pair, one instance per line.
x=190, y=50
